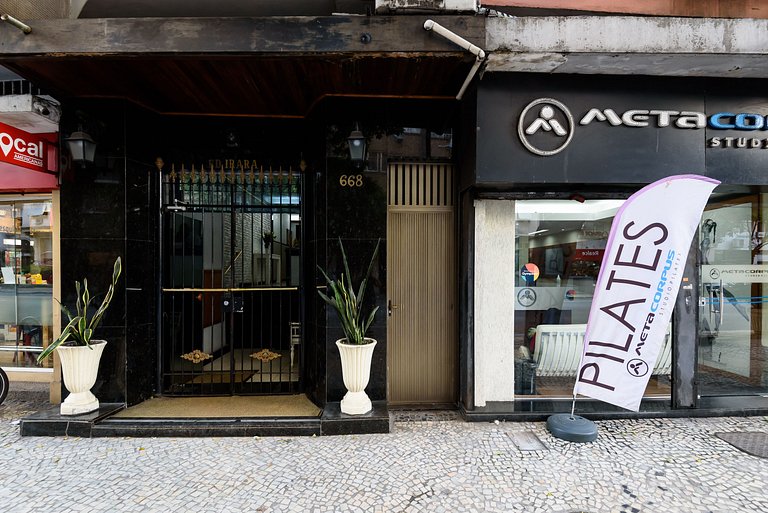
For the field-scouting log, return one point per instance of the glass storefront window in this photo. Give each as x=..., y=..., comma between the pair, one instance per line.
x=734, y=289
x=26, y=280
x=559, y=250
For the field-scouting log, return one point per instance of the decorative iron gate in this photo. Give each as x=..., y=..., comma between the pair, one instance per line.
x=230, y=282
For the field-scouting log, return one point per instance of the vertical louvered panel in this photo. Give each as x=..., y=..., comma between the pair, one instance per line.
x=422, y=347
x=420, y=185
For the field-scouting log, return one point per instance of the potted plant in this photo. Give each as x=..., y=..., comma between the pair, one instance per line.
x=355, y=348
x=268, y=238
x=78, y=351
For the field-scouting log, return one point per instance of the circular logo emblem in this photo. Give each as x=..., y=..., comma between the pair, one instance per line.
x=714, y=273
x=526, y=297
x=637, y=368
x=545, y=127
x=570, y=294
x=530, y=272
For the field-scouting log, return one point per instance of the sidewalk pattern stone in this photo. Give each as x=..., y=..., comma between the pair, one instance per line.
x=658, y=465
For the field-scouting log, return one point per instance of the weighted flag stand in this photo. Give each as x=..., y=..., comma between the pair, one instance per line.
x=572, y=428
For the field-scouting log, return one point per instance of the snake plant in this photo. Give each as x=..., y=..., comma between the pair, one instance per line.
x=348, y=303
x=79, y=331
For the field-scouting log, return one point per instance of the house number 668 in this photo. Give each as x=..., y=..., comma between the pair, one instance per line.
x=351, y=180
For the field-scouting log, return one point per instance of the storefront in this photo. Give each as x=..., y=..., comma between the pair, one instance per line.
x=555, y=159
x=29, y=203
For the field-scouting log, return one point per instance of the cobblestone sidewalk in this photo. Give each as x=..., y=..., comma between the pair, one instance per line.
x=443, y=465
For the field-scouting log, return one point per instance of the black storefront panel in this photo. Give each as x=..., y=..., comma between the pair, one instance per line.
x=596, y=114
x=737, y=134
x=610, y=130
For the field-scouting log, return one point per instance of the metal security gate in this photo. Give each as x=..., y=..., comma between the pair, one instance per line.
x=230, y=281
x=421, y=285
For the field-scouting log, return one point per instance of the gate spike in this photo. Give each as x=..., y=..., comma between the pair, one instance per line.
x=203, y=174
x=193, y=175
x=222, y=175
x=261, y=175
x=172, y=174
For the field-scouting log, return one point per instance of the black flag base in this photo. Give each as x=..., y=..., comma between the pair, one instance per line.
x=572, y=428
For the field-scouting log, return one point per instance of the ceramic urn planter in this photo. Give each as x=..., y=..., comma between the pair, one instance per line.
x=79, y=368
x=356, y=371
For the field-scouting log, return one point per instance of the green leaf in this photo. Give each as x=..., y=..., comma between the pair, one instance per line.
x=348, y=304
x=81, y=328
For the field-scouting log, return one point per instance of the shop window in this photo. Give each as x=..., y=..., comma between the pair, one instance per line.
x=559, y=251
x=26, y=281
x=733, y=349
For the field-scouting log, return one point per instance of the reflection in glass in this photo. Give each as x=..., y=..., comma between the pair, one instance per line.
x=559, y=250
x=732, y=345
x=26, y=281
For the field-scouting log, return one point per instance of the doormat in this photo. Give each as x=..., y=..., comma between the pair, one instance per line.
x=210, y=378
x=754, y=443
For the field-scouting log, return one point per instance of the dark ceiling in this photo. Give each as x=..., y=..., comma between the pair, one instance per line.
x=245, y=86
x=257, y=67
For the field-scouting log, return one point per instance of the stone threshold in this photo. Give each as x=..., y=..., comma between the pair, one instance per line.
x=101, y=423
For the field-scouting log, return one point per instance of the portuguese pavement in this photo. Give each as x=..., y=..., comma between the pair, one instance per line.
x=429, y=462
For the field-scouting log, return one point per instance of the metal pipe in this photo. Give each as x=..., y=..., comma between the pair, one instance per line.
x=460, y=41
x=16, y=23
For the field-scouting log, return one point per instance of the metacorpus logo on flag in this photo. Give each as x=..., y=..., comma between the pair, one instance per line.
x=637, y=286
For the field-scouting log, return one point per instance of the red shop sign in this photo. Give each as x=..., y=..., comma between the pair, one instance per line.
x=22, y=148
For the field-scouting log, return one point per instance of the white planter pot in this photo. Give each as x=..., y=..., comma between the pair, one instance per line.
x=356, y=370
x=79, y=368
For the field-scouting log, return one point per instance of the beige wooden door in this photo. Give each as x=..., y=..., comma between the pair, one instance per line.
x=421, y=285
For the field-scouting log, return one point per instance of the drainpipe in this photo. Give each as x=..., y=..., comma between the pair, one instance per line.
x=16, y=23
x=460, y=41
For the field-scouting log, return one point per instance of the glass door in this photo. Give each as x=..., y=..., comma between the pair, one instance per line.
x=734, y=275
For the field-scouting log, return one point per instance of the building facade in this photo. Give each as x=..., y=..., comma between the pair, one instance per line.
x=222, y=178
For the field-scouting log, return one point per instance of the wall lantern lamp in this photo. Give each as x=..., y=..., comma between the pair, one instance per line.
x=81, y=147
x=356, y=142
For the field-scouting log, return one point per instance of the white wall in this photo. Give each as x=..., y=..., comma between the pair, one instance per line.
x=494, y=301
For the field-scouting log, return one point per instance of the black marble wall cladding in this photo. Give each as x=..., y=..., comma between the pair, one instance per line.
x=140, y=216
x=358, y=211
x=94, y=259
x=142, y=278
x=141, y=362
x=105, y=214
x=110, y=386
x=92, y=210
x=357, y=219
x=466, y=293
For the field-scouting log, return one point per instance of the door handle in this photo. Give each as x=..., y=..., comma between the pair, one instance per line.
x=391, y=307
